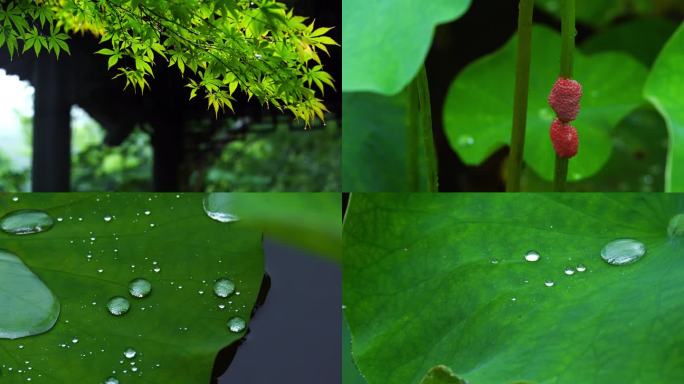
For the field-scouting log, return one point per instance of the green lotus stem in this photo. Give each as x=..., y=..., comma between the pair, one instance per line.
x=419, y=139
x=568, y=33
x=522, y=80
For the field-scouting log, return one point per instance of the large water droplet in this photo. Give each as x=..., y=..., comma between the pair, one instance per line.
x=118, y=306
x=27, y=306
x=139, y=287
x=623, y=251
x=130, y=353
x=220, y=207
x=532, y=256
x=224, y=287
x=676, y=226
x=26, y=221
x=236, y=324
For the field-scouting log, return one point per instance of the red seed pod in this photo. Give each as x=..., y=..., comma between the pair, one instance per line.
x=565, y=98
x=564, y=139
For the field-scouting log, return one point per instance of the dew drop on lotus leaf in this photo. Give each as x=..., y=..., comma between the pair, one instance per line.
x=549, y=283
x=224, y=287
x=130, y=353
x=139, y=288
x=118, y=306
x=623, y=251
x=26, y=221
x=111, y=380
x=220, y=207
x=532, y=256
x=236, y=324
x=581, y=268
x=569, y=271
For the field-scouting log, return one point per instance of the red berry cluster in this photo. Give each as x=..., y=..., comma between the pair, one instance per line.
x=565, y=101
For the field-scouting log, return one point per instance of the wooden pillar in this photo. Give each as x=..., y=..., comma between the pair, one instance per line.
x=167, y=143
x=51, y=126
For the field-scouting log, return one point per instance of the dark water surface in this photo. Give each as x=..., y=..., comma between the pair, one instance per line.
x=295, y=335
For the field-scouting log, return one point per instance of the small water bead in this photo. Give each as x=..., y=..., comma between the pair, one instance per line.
x=623, y=251
x=26, y=221
x=130, y=353
x=494, y=261
x=224, y=287
x=569, y=271
x=676, y=226
x=147, y=213
x=220, y=207
x=549, y=283
x=111, y=380
x=139, y=288
x=74, y=340
x=15, y=198
x=581, y=268
x=118, y=306
x=107, y=219
x=532, y=256
x=236, y=324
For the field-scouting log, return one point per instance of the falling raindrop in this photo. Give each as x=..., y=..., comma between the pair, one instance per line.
x=118, y=306
x=220, y=207
x=532, y=256
x=623, y=251
x=139, y=287
x=224, y=287
x=26, y=221
x=236, y=324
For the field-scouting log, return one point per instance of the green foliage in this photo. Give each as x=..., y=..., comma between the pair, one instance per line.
x=282, y=160
x=641, y=38
x=175, y=327
x=376, y=146
x=386, y=41
x=440, y=279
x=599, y=13
x=219, y=46
x=11, y=180
x=312, y=221
x=478, y=110
x=664, y=90
x=126, y=167
x=636, y=163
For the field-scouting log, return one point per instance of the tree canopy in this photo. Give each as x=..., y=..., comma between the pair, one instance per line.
x=219, y=46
